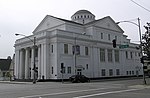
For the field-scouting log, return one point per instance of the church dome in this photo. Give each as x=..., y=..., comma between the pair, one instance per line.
x=83, y=12
x=83, y=17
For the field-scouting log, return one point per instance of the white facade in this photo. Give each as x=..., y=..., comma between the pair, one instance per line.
x=55, y=38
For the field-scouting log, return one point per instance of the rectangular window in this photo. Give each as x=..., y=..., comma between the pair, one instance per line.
x=116, y=55
x=69, y=70
x=132, y=72
x=86, y=51
x=117, y=72
x=110, y=72
x=65, y=48
x=52, y=70
x=87, y=66
x=52, y=48
x=131, y=55
x=102, y=55
x=116, y=37
x=62, y=67
x=76, y=50
x=101, y=35
x=108, y=36
x=103, y=72
x=127, y=72
x=109, y=55
x=126, y=54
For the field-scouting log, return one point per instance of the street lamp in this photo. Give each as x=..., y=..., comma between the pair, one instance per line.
x=138, y=25
x=34, y=66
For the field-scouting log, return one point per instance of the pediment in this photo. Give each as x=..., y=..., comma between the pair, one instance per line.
x=47, y=23
x=108, y=23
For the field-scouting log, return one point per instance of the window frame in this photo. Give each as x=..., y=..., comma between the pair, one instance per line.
x=69, y=69
x=102, y=55
x=110, y=72
x=102, y=36
x=109, y=37
x=65, y=48
x=110, y=55
x=116, y=55
x=103, y=72
x=86, y=50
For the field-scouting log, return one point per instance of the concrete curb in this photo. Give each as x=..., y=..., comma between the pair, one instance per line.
x=14, y=82
x=140, y=86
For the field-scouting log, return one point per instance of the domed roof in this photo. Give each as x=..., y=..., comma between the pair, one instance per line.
x=83, y=12
x=83, y=17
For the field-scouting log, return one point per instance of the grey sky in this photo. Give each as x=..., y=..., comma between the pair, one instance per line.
x=22, y=16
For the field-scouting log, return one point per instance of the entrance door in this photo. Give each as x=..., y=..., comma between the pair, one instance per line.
x=79, y=71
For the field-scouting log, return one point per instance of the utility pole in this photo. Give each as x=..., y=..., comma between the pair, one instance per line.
x=141, y=49
x=144, y=80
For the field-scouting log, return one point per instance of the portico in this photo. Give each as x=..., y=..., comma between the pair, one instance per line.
x=25, y=62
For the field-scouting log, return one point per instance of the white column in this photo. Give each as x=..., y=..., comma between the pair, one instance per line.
x=16, y=67
x=27, y=64
x=46, y=61
x=22, y=65
x=39, y=62
x=32, y=63
x=42, y=60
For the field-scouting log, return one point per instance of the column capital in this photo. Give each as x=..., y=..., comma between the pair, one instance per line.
x=22, y=49
x=28, y=48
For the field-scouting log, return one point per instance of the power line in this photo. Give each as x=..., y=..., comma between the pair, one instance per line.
x=140, y=6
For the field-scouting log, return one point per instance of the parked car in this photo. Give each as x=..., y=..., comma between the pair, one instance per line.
x=79, y=78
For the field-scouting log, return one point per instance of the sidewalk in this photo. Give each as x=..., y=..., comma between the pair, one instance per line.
x=142, y=85
x=31, y=83
x=15, y=82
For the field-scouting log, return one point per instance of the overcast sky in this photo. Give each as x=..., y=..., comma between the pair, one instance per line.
x=22, y=16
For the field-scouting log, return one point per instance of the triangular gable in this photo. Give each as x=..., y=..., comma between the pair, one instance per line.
x=48, y=22
x=108, y=23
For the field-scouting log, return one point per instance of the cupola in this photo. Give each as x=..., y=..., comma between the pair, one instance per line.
x=83, y=17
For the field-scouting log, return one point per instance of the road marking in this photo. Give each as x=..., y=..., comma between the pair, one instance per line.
x=105, y=93
x=64, y=93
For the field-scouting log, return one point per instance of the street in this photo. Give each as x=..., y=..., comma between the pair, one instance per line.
x=128, y=88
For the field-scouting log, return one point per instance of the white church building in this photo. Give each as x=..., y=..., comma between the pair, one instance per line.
x=94, y=55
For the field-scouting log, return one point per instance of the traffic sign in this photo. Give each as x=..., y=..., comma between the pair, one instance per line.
x=123, y=46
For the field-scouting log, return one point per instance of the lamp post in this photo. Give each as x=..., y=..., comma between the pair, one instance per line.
x=75, y=55
x=34, y=46
x=76, y=48
x=139, y=27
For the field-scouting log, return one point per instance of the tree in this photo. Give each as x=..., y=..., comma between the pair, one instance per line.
x=146, y=41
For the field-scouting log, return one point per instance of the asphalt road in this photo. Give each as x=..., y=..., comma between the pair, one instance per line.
x=131, y=88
